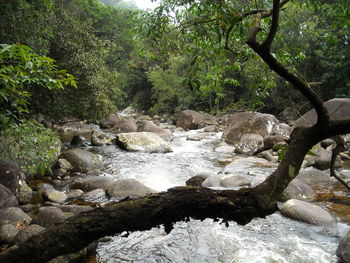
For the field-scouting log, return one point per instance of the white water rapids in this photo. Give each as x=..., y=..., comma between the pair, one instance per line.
x=274, y=239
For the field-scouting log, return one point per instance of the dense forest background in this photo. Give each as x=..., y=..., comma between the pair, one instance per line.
x=118, y=59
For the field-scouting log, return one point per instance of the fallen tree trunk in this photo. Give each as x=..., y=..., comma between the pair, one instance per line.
x=166, y=208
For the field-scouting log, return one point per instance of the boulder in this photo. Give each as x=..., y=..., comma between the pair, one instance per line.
x=100, y=138
x=74, y=194
x=338, y=109
x=128, y=188
x=211, y=128
x=10, y=176
x=96, y=196
x=54, y=196
x=233, y=181
x=343, y=250
x=190, y=120
x=267, y=155
x=313, y=176
x=49, y=215
x=198, y=179
x=79, y=141
x=297, y=189
x=271, y=141
x=142, y=142
x=125, y=124
x=27, y=232
x=7, y=198
x=109, y=121
x=327, y=142
x=283, y=129
x=248, y=122
x=323, y=159
x=7, y=233
x=83, y=161
x=306, y=212
x=14, y=215
x=249, y=144
x=149, y=126
x=25, y=194
x=213, y=180
x=224, y=147
x=92, y=183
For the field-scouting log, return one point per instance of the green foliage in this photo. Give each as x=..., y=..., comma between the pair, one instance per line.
x=35, y=147
x=22, y=69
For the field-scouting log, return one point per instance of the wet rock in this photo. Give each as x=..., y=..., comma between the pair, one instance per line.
x=10, y=176
x=306, y=212
x=190, y=120
x=25, y=194
x=14, y=215
x=83, y=161
x=211, y=128
x=55, y=196
x=249, y=144
x=338, y=109
x=149, y=126
x=92, y=183
x=128, y=188
x=213, y=181
x=7, y=198
x=142, y=142
x=313, y=176
x=343, y=250
x=125, y=124
x=248, y=122
x=232, y=181
x=7, y=233
x=297, y=189
x=224, y=147
x=49, y=215
x=100, y=138
x=97, y=196
x=267, y=155
x=198, y=179
x=323, y=160
x=64, y=164
x=74, y=194
x=109, y=121
x=195, y=137
x=79, y=141
x=27, y=232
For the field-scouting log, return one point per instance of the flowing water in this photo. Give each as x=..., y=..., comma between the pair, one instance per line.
x=272, y=239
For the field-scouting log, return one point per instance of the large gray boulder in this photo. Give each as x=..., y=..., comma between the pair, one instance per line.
x=14, y=215
x=343, y=250
x=142, y=142
x=149, y=126
x=7, y=198
x=190, y=120
x=128, y=188
x=109, y=121
x=337, y=109
x=249, y=144
x=83, y=161
x=306, y=212
x=10, y=176
x=249, y=122
x=125, y=124
x=91, y=183
x=297, y=189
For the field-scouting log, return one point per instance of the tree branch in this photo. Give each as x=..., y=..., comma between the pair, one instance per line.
x=338, y=148
x=274, y=25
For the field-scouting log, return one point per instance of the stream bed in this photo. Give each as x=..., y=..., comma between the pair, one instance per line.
x=274, y=239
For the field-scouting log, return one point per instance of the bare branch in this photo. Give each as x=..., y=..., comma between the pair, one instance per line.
x=339, y=147
x=274, y=25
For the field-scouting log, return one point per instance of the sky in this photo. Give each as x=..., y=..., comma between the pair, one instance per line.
x=145, y=4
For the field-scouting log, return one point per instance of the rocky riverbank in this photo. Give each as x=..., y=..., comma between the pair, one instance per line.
x=103, y=163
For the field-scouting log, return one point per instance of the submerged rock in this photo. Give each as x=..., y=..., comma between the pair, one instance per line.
x=142, y=142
